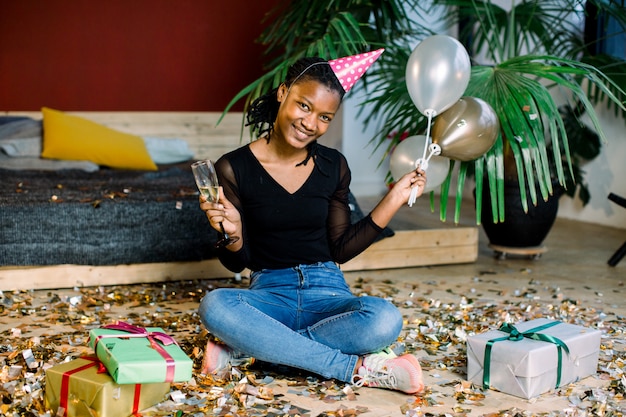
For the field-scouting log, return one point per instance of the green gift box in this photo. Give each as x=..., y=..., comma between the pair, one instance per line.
x=137, y=355
x=82, y=387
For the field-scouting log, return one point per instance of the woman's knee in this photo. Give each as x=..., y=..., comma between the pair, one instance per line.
x=388, y=319
x=213, y=306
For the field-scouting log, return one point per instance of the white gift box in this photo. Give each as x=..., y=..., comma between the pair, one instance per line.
x=526, y=367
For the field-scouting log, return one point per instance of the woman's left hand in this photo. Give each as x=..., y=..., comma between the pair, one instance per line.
x=398, y=195
x=405, y=185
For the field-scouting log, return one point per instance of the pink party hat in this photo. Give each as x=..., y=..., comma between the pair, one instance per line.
x=350, y=68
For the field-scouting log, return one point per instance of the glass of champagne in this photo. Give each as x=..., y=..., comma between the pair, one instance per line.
x=208, y=185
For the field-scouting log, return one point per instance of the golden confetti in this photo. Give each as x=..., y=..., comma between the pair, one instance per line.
x=44, y=328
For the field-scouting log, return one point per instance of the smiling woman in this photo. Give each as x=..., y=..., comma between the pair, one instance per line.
x=287, y=199
x=311, y=104
x=305, y=112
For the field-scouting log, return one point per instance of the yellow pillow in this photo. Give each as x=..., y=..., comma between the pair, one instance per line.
x=75, y=138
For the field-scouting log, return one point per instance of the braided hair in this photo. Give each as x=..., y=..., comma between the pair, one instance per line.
x=263, y=111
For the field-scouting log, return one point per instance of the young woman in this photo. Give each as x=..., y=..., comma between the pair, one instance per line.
x=286, y=197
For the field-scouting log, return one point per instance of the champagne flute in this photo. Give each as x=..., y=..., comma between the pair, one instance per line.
x=208, y=185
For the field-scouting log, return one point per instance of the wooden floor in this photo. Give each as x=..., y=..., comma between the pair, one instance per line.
x=570, y=281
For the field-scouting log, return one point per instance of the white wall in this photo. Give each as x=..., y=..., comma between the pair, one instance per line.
x=367, y=164
x=605, y=174
x=368, y=178
x=347, y=134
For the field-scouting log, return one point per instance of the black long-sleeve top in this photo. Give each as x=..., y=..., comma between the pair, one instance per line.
x=281, y=229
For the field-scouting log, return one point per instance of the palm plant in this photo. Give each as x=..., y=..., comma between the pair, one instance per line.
x=328, y=29
x=522, y=59
x=536, y=52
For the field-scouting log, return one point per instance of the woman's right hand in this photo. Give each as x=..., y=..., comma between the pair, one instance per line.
x=222, y=212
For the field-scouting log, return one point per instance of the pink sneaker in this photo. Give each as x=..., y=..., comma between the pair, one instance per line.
x=219, y=358
x=402, y=373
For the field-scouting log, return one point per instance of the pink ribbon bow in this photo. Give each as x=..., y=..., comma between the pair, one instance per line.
x=137, y=331
x=153, y=337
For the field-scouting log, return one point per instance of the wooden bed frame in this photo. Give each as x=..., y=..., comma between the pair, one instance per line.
x=407, y=248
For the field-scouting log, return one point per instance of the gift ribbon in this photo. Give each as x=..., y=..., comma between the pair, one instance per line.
x=164, y=338
x=93, y=361
x=65, y=380
x=136, y=400
x=515, y=336
x=153, y=337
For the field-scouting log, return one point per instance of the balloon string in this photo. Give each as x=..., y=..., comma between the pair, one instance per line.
x=424, y=160
x=415, y=188
x=429, y=113
x=430, y=155
x=413, y=195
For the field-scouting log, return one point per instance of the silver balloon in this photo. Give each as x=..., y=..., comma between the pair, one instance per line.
x=437, y=73
x=407, y=152
x=467, y=130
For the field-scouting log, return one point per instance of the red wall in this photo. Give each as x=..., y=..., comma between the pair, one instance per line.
x=128, y=55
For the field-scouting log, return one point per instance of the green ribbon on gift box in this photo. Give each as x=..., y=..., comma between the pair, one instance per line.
x=515, y=336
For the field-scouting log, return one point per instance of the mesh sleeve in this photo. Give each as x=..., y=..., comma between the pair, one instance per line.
x=347, y=240
x=233, y=261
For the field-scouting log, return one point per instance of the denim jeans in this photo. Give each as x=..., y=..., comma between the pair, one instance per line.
x=304, y=317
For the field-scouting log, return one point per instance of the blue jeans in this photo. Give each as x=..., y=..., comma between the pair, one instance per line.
x=304, y=317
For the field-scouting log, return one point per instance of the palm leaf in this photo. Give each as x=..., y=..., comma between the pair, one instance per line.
x=523, y=103
x=340, y=28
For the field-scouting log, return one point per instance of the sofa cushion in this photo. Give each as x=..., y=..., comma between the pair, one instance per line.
x=71, y=137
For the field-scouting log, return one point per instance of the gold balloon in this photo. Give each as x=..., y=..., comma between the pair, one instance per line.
x=467, y=130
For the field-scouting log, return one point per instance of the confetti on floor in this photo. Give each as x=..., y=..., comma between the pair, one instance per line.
x=45, y=327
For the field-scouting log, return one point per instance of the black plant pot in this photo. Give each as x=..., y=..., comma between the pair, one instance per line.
x=520, y=229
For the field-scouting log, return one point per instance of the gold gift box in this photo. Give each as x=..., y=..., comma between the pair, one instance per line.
x=85, y=389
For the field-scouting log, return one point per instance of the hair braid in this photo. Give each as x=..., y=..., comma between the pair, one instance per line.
x=262, y=113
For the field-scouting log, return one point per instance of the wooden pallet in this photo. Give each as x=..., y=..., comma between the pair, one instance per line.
x=408, y=248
